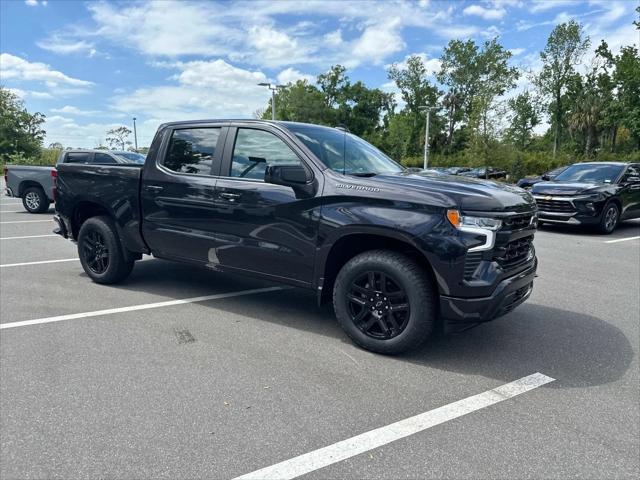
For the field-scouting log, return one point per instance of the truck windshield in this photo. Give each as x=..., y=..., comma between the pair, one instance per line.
x=590, y=173
x=344, y=152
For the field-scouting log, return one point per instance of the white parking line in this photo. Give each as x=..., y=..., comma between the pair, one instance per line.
x=350, y=447
x=133, y=308
x=29, y=236
x=622, y=239
x=6, y=265
x=28, y=221
x=12, y=211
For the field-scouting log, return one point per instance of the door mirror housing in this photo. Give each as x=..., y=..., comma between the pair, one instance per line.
x=545, y=177
x=287, y=175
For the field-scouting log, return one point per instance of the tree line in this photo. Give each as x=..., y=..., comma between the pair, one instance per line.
x=591, y=114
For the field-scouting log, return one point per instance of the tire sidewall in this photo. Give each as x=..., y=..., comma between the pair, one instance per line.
x=43, y=204
x=606, y=209
x=419, y=310
x=112, y=242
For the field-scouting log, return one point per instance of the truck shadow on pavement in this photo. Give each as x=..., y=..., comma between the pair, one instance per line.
x=577, y=349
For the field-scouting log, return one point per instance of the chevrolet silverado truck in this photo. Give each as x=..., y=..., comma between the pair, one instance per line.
x=596, y=194
x=397, y=253
x=35, y=184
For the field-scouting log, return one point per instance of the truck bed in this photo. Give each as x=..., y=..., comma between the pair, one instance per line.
x=112, y=188
x=21, y=177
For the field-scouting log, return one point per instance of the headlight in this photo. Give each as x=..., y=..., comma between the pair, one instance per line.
x=477, y=225
x=461, y=221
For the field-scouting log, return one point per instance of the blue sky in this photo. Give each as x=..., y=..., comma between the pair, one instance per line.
x=90, y=66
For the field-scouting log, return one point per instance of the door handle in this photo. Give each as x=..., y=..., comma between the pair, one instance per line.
x=153, y=188
x=230, y=196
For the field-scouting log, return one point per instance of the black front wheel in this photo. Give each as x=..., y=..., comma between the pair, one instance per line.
x=610, y=218
x=101, y=252
x=385, y=302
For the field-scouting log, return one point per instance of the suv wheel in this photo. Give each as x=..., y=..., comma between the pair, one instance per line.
x=609, y=219
x=101, y=252
x=385, y=302
x=34, y=200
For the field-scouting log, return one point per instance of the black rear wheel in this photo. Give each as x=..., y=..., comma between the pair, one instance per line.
x=101, y=253
x=385, y=301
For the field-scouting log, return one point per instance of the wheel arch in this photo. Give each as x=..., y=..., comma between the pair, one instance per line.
x=26, y=184
x=351, y=243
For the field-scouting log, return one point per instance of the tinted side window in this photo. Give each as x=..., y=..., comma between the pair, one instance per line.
x=192, y=150
x=255, y=149
x=78, y=157
x=632, y=171
x=103, y=158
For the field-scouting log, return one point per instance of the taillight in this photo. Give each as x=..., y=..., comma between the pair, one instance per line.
x=54, y=181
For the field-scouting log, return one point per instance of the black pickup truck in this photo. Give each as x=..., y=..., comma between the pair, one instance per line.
x=313, y=207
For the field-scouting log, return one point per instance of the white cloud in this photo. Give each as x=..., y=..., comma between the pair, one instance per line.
x=432, y=65
x=30, y=94
x=333, y=39
x=62, y=46
x=273, y=47
x=516, y=51
x=13, y=67
x=486, y=13
x=31, y=3
x=204, y=89
x=71, y=110
x=291, y=75
x=376, y=43
x=71, y=133
x=537, y=6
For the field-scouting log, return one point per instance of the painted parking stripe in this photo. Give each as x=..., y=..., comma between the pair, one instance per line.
x=12, y=211
x=133, y=308
x=622, y=239
x=23, y=264
x=29, y=236
x=372, y=439
x=28, y=221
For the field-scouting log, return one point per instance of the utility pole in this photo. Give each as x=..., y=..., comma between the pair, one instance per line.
x=273, y=89
x=427, y=109
x=135, y=135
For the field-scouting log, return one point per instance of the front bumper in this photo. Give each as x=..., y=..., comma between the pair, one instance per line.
x=509, y=293
x=569, y=210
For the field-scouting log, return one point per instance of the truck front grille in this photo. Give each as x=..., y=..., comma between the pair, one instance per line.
x=517, y=222
x=514, y=253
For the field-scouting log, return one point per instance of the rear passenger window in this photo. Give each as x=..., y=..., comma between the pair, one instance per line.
x=193, y=150
x=78, y=157
x=103, y=158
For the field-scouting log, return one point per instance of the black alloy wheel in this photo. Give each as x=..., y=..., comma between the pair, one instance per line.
x=610, y=217
x=95, y=252
x=378, y=305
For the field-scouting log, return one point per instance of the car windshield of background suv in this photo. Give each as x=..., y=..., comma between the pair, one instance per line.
x=589, y=173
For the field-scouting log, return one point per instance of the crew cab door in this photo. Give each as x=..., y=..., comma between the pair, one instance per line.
x=630, y=192
x=177, y=192
x=261, y=227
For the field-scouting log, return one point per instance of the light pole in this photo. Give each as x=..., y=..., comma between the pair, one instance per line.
x=273, y=89
x=135, y=134
x=426, y=108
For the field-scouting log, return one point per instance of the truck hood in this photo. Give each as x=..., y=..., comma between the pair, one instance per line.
x=450, y=191
x=567, y=188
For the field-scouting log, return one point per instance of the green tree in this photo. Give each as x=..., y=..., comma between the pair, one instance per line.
x=524, y=116
x=21, y=132
x=627, y=82
x=117, y=137
x=416, y=91
x=564, y=49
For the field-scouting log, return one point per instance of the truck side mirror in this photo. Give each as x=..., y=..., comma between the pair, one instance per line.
x=545, y=177
x=287, y=175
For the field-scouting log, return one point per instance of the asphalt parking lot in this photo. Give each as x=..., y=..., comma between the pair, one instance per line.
x=254, y=374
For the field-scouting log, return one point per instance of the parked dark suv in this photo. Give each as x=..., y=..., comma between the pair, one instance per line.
x=317, y=208
x=600, y=194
